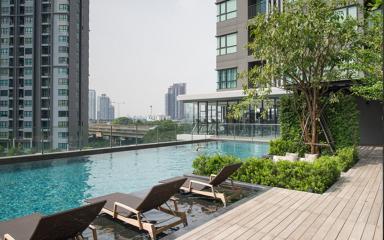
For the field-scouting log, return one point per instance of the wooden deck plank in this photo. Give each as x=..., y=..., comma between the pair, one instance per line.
x=351, y=209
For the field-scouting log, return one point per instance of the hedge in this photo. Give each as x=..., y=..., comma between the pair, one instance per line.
x=303, y=176
x=342, y=116
x=280, y=147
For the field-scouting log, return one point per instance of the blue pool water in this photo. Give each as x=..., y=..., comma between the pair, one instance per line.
x=51, y=186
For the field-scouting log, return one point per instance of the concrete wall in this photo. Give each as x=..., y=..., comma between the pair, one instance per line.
x=371, y=122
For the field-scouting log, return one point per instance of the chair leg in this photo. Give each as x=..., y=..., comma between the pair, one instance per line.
x=94, y=232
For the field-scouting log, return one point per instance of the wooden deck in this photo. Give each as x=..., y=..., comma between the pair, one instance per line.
x=351, y=209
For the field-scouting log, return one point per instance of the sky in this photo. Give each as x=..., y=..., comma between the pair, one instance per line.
x=138, y=48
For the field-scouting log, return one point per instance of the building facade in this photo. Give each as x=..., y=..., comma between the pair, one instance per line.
x=173, y=107
x=44, y=73
x=105, y=110
x=92, y=105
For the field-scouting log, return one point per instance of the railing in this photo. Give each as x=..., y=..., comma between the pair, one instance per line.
x=249, y=131
x=59, y=139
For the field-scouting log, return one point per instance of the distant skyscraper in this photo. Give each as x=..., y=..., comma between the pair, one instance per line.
x=105, y=110
x=173, y=108
x=44, y=73
x=92, y=104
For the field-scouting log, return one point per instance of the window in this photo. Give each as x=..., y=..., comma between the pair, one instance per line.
x=28, y=71
x=63, y=39
x=226, y=10
x=27, y=124
x=27, y=93
x=63, y=28
x=28, y=82
x=63, y=103
x=63, y=81
x=3, y=134
x=27, y=113
x=27, y=41
x=63, y=60
x=28, y=30
x=3, y=114
x=62, y=124
x=63, y=146
x=4, y=83
x=4, y=72
x=4, y=41
x=4, y=31
x=28, y=19
x=63, y=70
x=27, y=61
x=3, y=93
x=63, y=134
x=28, y=50
x=3, y=103
x=63, y=17
x=28, y=9
x=63, y=92
x=227, y=78
x=27, y=103
x=350, y=11
x=63, y=49
x=63, y=113
x=227, y=44
x=64, y=7
x=3, y=124
x=4, y=51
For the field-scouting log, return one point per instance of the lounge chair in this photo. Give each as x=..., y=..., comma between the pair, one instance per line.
x=129, y=208
x=64, y=225
x=198, y=186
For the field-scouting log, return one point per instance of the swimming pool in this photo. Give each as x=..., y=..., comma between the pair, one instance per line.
x=55, y=185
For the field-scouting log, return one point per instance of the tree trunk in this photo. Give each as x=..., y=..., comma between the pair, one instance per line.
x=314, y=110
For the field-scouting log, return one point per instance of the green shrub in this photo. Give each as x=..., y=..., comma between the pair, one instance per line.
x=347, y=157
x=206, y=165
x=280, y=147
x=303, y=176
x=343, y=120
x=342, y=116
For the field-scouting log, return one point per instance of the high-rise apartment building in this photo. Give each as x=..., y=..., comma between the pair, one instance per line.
x=92, y=105
x=105, y=110
x=174, y=108
x=44, y=73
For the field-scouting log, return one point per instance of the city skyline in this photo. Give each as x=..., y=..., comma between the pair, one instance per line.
x=126, y=72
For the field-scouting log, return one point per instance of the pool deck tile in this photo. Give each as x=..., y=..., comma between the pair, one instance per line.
x=351, y=209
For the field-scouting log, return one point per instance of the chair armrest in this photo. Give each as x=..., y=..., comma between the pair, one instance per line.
x=117, y=204
x=8, y=237
x=212, y=176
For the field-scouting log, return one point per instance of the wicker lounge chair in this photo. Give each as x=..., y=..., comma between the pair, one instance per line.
x=129, y=208
x=198, y=186
x=64, y=225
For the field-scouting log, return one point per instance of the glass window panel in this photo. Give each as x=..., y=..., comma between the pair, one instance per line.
x=352, y=12
x=231, y=6
x=231, y=15
x=231, y=49
x=231, y=40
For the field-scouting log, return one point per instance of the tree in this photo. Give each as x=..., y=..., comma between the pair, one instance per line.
x=308, y=45
x=369, y=58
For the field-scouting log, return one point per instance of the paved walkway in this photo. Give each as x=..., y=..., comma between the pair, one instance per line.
x=351, y=209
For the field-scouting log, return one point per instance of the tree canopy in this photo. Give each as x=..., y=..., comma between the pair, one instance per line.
x=308, y=46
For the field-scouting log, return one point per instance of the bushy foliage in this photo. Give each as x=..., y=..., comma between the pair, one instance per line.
x=343, y=120
x=303, y=176
x=280, y=147
x=206, y=165
x=347, y=157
